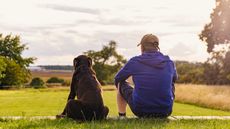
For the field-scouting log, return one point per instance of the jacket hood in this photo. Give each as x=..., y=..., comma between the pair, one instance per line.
x=153, y=59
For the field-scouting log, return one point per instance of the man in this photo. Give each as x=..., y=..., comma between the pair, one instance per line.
x=154, y=75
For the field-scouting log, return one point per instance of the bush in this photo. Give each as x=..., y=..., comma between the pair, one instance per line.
x=14, y=74
x=66, y=83
x=55, y=80
x=37, y=83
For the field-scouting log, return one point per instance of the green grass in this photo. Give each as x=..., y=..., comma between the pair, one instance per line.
x=49, y=102
x=46, y=102
x=115, y=124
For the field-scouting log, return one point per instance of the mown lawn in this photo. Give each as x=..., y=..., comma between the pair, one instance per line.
x=115, y=124
x=49, y=102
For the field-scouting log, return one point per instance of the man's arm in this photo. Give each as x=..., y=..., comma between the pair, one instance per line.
x=175, y=77
x=124, y=73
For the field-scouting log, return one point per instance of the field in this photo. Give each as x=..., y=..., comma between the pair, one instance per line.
x=45, y=75
x=49, y=102
x=191, y=100
x=217, y=97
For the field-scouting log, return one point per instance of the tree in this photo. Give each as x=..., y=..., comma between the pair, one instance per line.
x=106, y=62
x=190, y=72
x=217, y=32
x=11, y=48
x=14, y=74
x=2, y=68
x=217, y=36
x=14, y=69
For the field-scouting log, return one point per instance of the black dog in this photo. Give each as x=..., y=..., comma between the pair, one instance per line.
x=89, y=104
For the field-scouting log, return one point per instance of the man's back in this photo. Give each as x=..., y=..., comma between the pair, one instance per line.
x=153, y=75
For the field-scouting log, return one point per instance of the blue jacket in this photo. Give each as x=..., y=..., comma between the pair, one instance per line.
x=153, y=75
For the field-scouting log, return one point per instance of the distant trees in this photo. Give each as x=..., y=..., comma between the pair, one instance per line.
x=57, y=67
x=2, y=68
x=55, y=80
x=190, y=72
x=217, y=36
x=13, y=69
x=106, y=62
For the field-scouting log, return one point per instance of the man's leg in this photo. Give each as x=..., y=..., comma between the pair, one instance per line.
x=121, y=103
x=124, y=97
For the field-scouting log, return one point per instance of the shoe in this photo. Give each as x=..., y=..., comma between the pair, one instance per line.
x=122, y=117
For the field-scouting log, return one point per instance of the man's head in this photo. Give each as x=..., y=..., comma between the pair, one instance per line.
x=149, y=42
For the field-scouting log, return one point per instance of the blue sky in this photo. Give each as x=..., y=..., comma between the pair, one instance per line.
x=57, y=31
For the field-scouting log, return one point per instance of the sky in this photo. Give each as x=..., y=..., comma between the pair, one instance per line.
x=56, y=31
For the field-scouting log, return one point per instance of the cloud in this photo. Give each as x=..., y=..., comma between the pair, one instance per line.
x=114, y=21
x=182, y=50
x=66, y=8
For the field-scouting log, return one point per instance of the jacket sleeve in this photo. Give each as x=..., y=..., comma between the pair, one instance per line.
x=175, y=77
x=124, y=73
x=73, y=87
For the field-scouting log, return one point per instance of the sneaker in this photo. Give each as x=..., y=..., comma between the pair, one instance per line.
x=122, y=117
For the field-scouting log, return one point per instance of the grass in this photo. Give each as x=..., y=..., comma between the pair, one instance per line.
x=50, y=101
x=46, y=102
x=216, y=97
x=115, y=124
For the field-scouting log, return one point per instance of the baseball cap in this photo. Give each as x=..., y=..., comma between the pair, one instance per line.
x=149, y=38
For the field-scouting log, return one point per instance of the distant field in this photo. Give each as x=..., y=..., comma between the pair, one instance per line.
x=45, y=75
x=217, y=97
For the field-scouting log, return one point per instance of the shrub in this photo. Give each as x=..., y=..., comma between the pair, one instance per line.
x=55, y=80
x=37, y=83
x=66, y=83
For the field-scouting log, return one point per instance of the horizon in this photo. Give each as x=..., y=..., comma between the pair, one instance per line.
x=56, y=32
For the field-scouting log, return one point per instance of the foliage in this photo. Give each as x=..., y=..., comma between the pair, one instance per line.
x=55, y=80
x=216, y=35
x=57, y=67
x=2, y=67
x=106, y=62
x=15, y=66
x=14, y=74
x=11, y=48
x=37, y=82
x=217, y=31
x=190, y=72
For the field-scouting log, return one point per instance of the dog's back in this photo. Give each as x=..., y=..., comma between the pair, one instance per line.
x=88, y=88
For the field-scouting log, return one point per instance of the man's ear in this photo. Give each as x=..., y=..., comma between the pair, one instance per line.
x=90, y=61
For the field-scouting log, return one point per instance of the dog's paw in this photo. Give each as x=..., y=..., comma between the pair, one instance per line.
x=60, y=116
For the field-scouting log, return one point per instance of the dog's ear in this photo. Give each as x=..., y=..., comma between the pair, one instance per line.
x=90, y=61
x=75, y=62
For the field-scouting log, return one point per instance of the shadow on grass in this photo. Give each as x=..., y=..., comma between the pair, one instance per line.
x=69, y=123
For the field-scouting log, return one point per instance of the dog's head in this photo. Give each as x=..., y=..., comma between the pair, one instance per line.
x=82, y=60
